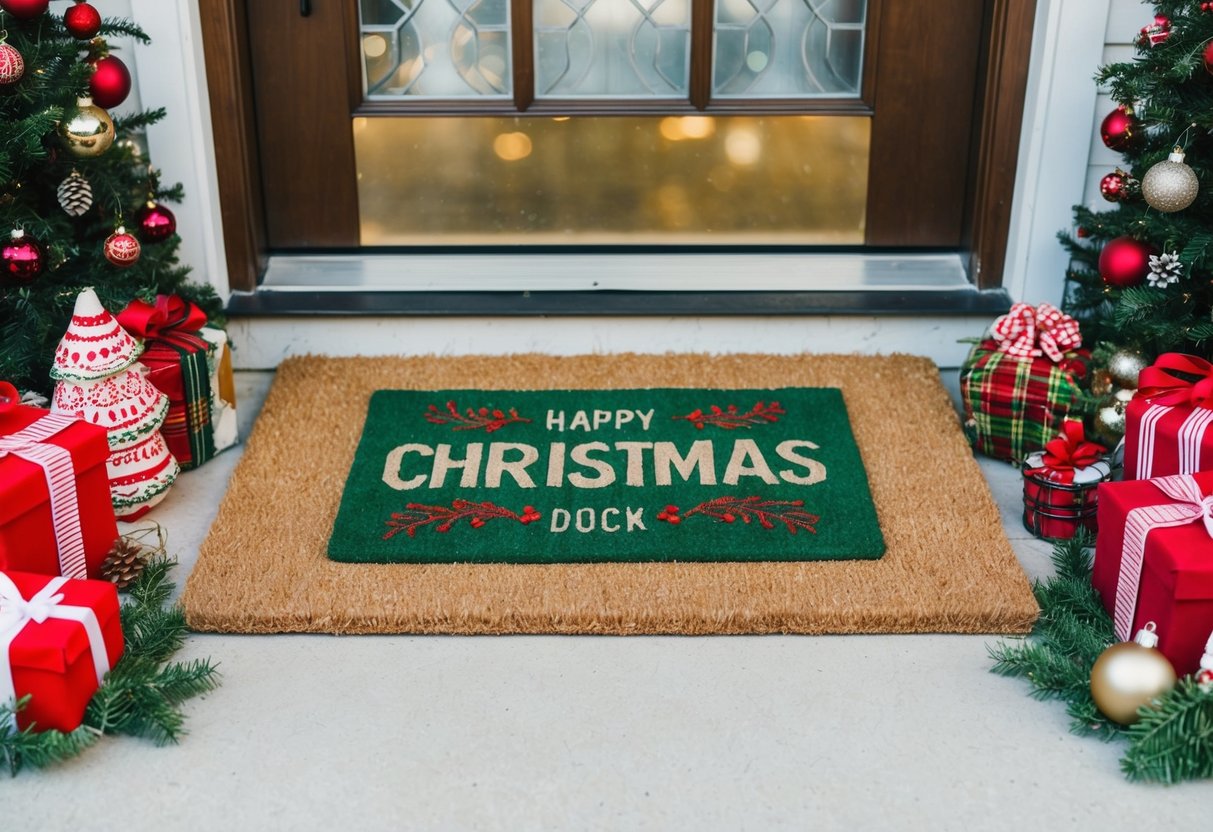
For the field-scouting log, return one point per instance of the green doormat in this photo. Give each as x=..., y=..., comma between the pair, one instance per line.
x=585, y=476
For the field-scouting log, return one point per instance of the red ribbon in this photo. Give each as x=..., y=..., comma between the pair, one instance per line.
x=1158, y=385
x=1025, y=332
x=1067, y=452
x=172, y=320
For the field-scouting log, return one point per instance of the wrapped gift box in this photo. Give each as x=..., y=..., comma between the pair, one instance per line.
x=1168, y=579
x=1167, y=422
x=1020, y=384
x=1056, y=508
x=191, y=364
x=65, y=531
x=60, y=662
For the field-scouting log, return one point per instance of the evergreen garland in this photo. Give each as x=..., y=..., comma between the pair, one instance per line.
x=1171, y=743
x=141, y=696
x=1171, y=94
x=33, y=163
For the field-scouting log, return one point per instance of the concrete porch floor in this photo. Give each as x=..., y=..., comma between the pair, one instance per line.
x=395, y=732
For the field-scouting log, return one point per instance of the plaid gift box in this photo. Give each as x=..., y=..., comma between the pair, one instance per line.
x=1021, y=383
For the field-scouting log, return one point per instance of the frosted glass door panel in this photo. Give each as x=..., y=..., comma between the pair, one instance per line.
x=436, y=49
x=788, y=48
x=612, y=48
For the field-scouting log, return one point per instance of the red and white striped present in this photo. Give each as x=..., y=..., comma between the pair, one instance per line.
x=1154, y=561
x=56, y=517
x=1167, y=425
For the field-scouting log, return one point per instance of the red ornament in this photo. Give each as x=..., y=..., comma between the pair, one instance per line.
x=1125, y=261
x=1157, y=32
x=1208, y=57
x=1119, y=129
x=22, y=257
x=122, y=249
x=12, y=65
x=82, y=21
x=111, y=82
x=1081, y=232
x=156, y=223
x=24, y=9
x=1114, y=186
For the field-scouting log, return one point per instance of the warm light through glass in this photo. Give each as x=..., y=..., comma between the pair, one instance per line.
x=634, y=179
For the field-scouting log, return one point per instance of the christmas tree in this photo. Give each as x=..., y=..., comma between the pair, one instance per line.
x=1141, y=273
x=72, y=182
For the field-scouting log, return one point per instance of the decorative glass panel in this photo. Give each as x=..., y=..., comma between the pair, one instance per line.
x=789, y=48
x=628, y=179
x=615, y=48
x=436, y=48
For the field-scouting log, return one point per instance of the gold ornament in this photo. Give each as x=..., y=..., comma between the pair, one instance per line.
x=1171, y=185
x=1124, y=366
x=1101, y=382
x=1130, y=675
x=1110, y=416
x=87, y=130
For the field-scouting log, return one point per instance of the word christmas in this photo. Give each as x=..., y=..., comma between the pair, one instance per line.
x=598, y=464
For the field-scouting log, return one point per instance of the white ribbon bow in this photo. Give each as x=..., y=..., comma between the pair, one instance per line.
x=1189, y=505
x=17, y=611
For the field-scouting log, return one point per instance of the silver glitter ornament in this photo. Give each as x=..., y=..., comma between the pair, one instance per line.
x=1171, y=185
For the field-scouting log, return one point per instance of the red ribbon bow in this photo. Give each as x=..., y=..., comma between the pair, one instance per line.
x=1067, y=452
x=1158, y=385
x=171, y=319
x=1025, y=332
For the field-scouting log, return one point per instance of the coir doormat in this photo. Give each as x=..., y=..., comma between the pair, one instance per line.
x=586, y=476
x=947, y=568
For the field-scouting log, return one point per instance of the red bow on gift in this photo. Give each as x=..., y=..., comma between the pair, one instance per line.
x=171, y=319
x=1158, y=385
x=1025, y=332
x=1067, y=452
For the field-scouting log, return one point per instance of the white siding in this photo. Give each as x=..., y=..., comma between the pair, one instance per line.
x=1125, y=19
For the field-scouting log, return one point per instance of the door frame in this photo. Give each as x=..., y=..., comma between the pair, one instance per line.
x=995, y=132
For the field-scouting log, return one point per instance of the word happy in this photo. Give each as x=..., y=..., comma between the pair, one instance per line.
x=592, y=465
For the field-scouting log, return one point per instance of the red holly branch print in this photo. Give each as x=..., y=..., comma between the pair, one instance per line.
x=730, y=418
x=472, y=419
x=417, y=515
x=766, y=512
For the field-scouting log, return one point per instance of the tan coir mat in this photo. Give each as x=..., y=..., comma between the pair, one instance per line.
x=948, y=566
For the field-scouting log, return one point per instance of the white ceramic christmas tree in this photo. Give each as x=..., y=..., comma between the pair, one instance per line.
x=98, y=380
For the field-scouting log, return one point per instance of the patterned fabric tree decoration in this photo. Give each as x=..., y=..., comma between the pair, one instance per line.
x=98, y=380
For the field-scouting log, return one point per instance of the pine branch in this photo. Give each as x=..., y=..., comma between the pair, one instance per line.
x=1173, y=741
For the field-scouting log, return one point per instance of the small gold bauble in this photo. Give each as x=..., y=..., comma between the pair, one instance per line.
x=87, y=130
x=1110, y=416
x=1124, y=366
x=1171, y=185
x=1101, y=382
x=1129, y=675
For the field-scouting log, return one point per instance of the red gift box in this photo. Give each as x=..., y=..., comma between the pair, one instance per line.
x=46, y=529
x=1154, y=561
x=58, y=639
x=1059, y=484
x=1167, y=422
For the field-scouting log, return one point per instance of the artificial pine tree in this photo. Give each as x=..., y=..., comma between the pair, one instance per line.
x=1142, y=272
x=67, y=184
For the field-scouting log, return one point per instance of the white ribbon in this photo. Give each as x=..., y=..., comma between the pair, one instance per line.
x=1189, y=505
x=17, y=611
x=56, y=463
x=1189, y=437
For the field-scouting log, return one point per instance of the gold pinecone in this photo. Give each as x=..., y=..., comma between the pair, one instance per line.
x=124, y=563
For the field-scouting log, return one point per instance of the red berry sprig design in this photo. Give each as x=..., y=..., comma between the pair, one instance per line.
x=670, y=515
x=750, y=509
x=730, y=418
x=474, y=419
x=417, y=515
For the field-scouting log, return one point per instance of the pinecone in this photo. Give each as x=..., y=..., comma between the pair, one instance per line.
x=75, y=194
x=124, y=563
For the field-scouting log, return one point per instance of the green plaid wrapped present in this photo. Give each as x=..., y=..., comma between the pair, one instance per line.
x=1016, y=396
